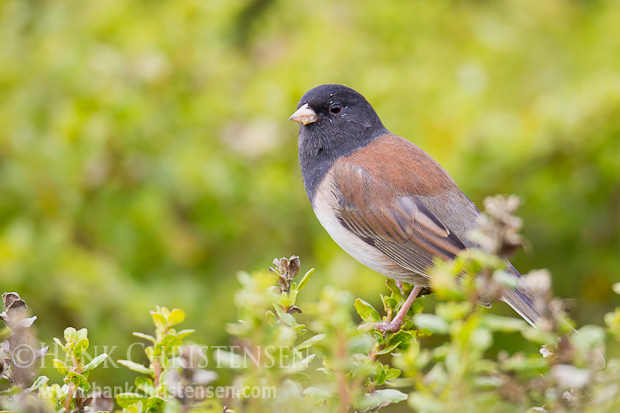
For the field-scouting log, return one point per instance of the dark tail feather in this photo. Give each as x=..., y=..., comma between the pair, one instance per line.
x=521, y=301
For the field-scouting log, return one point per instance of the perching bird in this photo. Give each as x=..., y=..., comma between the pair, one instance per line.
x=383, y=200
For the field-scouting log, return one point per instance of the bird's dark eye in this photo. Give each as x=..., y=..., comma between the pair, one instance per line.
x=335, y=108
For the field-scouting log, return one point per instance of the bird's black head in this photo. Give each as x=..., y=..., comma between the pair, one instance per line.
x=334, y=121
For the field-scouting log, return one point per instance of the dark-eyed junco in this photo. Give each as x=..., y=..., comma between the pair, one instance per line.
x=384, y=200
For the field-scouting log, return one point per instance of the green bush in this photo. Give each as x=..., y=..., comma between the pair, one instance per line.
x=288, y=357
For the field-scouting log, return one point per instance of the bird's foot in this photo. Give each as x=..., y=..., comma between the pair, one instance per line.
x=394, y=325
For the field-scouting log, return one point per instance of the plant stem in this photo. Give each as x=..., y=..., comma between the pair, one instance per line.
x=342, y=379
x=69, y=396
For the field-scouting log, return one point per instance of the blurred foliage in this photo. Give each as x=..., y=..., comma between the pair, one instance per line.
x=72, y=395
x=145, y=155
x=336, y=363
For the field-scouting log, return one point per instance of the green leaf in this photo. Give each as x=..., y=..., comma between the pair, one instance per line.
x=381, y=398
x=301, y=377
x=391, y=374
x=310, y=342
x=288, y=319
x=305, y=279
x=228, y=359
x=176, y=316
x=381, y=375
x=454, y=310
x=317, y=395
x=60, y=366
x=537, y=336
x=159, y=320
x=155, y=404
x=241, y=328
x=145, y=336
x=288, y=299
x=389, y=348
x=60, y=344
x=366, y=311
x=378, y=335
x=366, y=327
x=11, y=391
x=500, y=323
x=139, y=368
x=389, y=304
x=426, y=403
x=391, y=284
x=127, y=399
x=80, y=348
x=170, y=340
x=78, y=379
x=488, y=381
x=146, y=385
x=184, y=333
x=137, y=407
x=416, y=307
x=95, y=362
x=422, y=333
x=306, y=361
x=590, y=337
x=82, y=334
x=360, y=343
x=431, y=321
x=524, y=364
x=70, y=334
x=279, y=311
x=404, y=336
x=39, y=382
x=5, y=333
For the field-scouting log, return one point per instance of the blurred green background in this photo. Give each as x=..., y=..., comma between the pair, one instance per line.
x=146, y=155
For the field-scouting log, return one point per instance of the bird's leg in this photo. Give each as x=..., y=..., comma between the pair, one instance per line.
x=394, y=325
x=399, y=284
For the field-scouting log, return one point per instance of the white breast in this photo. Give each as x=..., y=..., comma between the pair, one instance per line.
x=323, y=205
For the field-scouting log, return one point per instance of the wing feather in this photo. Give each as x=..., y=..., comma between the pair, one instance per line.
x=392, y=213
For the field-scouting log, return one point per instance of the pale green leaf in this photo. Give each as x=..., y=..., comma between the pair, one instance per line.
x=431, y=321
x=139, y=368
x=78, y=379
x=176, y=316
x=127, y=399
x=60, y=366
x=366, y=311
x=310, y=342
x=80, y=348
x=95, y=362
x=39, y=382
x=145, y=336
x=305, y=279
x=184, y=333
x=159, y=320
